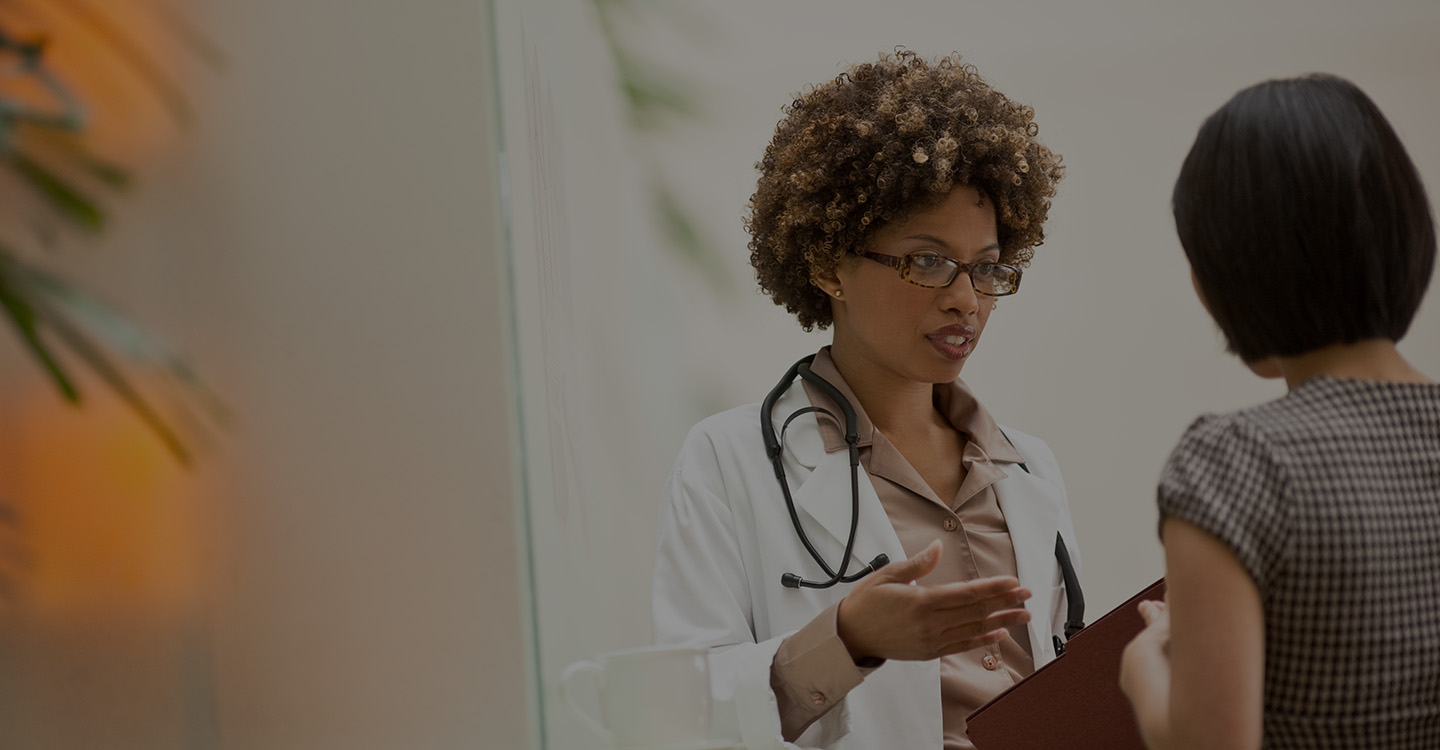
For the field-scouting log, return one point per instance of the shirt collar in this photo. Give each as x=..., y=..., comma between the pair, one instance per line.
x=954, y=399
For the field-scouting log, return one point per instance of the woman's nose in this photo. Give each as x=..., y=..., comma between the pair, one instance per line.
x=960, y=296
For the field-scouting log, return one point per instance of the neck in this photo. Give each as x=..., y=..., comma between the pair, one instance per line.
x=1373, y=359
x=892, y=403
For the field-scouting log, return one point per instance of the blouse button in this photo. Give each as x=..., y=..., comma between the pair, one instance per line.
x=951, y=524
x=990, y=662
x=817, y=698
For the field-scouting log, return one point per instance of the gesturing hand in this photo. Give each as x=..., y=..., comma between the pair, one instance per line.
x=886, y=617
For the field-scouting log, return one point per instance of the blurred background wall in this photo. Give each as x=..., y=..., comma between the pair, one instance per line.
x=325, y=243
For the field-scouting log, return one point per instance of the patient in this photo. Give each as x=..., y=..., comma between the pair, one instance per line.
x=1302, y=536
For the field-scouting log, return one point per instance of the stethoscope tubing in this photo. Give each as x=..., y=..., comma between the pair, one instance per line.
x=773, y=449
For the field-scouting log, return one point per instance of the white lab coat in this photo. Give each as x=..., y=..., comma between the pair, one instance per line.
x=725, y=539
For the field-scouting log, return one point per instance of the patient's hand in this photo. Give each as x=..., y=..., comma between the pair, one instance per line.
x=1145, y=674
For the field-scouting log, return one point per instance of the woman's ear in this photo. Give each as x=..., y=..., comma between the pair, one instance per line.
x=1268, y=368
x=828, y=282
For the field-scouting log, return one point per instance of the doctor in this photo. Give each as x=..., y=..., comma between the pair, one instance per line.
x=896, y=205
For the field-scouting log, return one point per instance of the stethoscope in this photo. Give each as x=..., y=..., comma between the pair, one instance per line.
x=1075, y=599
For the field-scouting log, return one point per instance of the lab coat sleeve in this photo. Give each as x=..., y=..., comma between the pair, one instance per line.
x=701, y=595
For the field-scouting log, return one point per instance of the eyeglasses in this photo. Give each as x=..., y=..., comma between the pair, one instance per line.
x=932, y=270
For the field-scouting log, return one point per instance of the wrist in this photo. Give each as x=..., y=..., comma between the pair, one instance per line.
x=845, y=631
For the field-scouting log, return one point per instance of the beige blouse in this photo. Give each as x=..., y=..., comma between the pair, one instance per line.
x=812, y=670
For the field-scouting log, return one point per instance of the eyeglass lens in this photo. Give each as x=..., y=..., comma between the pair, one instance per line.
x=987, y=278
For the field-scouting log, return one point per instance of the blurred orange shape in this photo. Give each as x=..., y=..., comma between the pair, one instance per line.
x=110, y=523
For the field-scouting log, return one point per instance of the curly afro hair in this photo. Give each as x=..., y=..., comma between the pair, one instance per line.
x=882, y=141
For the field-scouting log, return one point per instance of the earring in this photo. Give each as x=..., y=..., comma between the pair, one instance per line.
x=837, y=292
x=994, y=304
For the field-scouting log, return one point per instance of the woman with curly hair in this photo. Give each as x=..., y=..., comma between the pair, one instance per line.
x=895, y=205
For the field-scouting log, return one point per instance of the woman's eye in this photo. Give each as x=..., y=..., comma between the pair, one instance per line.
x=925, y=261
x=984, y=268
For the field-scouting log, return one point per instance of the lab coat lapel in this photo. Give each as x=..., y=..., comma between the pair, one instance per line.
x=1032, y=512
x=825, y=495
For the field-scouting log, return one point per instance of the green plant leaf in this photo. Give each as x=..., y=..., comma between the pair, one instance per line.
x=68, y=147
x=31, y=307
x=650, y=97
x=684, y=236
x=652, y=100
x=124, y=336
x=107, y=173
x=54, y=317
x=99, y=361
x=61, y=195
x=679, y=228
x=22, y=316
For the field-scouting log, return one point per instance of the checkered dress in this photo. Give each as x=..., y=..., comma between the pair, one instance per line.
x=1330, y=497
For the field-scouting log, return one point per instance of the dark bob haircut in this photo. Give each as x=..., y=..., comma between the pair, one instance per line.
x=1304, y=220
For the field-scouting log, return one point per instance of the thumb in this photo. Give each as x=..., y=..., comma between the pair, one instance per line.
x=918, y=566
x=1150, y=611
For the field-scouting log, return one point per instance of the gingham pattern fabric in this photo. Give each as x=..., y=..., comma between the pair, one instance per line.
x=1330, y=497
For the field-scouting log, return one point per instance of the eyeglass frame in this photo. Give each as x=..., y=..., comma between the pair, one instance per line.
x=901, y=263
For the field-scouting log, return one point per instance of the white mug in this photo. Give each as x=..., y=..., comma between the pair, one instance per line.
x=650, y=698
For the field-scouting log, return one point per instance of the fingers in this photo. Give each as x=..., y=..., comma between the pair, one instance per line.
x=915, y=568
x=966, y=635
x=984, y=594
x=1007, y=599
x=998, y=622
x=970, y=644
x=979, y=635
x=980, y=588
x=967, y=611
x=1150, y=611
x=1156, y=635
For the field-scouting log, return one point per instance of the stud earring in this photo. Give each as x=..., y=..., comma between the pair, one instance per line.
x=837, y=292
x=994, y=304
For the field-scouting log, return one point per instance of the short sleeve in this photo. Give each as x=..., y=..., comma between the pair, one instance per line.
x=1225, y=478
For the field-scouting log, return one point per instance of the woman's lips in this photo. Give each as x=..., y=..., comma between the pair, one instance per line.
x=953, y=342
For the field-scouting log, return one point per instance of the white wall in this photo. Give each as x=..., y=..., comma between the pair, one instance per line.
x=326, y=243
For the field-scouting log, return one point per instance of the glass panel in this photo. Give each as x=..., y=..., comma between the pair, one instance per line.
x=601, y=395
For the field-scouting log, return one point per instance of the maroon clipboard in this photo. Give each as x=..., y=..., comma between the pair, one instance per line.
x=1074, y=702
